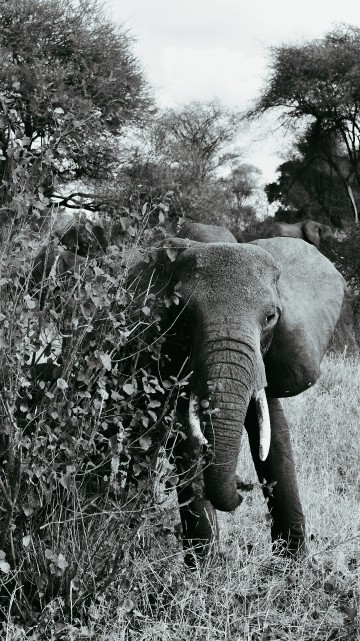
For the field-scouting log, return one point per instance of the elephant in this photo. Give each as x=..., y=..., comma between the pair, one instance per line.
x=70, y=257
x=311, y=231
x=84, y=239
x=252, y=326
x=76, y=245
x=206, y=233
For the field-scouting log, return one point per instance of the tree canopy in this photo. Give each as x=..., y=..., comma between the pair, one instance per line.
x=318, y=83
x=192, y=151
x=69, y=82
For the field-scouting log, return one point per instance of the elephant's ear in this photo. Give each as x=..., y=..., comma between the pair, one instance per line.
x=153, y=269
x=311, y=292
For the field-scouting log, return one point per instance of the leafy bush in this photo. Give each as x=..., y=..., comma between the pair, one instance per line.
x=81, y=398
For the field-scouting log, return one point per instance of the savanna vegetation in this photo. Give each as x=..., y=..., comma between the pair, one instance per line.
x=90, y=545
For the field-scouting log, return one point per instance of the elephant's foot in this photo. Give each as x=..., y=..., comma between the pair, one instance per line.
x=200, y=530
x=292, y=544
x=199, y=553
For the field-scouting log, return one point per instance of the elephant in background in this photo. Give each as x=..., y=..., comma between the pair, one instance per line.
x=252, y=326
x=311, y=231
x=84, y=239
x=76, y=245
x=206, y=233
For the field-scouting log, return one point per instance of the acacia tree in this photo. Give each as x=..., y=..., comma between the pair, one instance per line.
x=308, y=185
x=187, y=151
x=196, y=139
x=319, y=81
x=68, y=84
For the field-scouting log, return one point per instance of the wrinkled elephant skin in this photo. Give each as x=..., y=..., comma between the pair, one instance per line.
x=257, y=316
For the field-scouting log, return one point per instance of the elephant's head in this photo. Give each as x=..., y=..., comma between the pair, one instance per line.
x=84, y=239
x=257, y=315
x=316, y=233
x=75, y=245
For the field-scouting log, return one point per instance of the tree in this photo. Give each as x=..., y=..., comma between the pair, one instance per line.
x=188, y=151
x=241, y=190
x=319, y=82
x=308, y=187
x=69, y=83
x=195, y=140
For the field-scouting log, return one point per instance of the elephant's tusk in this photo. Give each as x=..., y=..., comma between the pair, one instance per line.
x=194, y=420
x=262, y=411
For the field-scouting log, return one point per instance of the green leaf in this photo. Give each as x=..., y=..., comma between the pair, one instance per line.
x=154, y=404
x=115, y=461
x=4, y=567
x=62, y=562
x=128, y=605
x=129, y=389
x=173, y=480
x=125, y=222
x=106, y=361
x=61, y=383
x=29, y=302
x=172, y=253
x=26, y=540
x=145, y=442
x=66, y=481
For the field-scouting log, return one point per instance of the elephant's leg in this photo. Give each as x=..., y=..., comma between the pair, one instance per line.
x=278, y=471
x=198, y=517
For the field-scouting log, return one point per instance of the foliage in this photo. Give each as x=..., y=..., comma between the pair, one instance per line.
x=89, y=524
x=68, y=85
x=190, y=152
x=318, y=82
x=308, y=187
x=345, y=255
x=248, y=592
x=79, y=355
x=194, y=138
x=80, y=397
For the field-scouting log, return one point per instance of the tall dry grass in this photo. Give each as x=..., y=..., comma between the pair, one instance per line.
x=248, y=594
x=100, y=567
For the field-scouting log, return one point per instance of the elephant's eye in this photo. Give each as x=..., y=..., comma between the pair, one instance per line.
x=269, y=318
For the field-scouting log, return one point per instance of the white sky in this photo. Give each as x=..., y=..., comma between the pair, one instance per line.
x=202, y=49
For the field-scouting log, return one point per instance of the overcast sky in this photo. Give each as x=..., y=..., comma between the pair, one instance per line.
x=202, y=49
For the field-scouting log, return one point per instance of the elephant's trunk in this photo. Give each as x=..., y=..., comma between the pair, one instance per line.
x=234, y=372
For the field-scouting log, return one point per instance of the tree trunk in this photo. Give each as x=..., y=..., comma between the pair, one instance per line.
x=352, y=202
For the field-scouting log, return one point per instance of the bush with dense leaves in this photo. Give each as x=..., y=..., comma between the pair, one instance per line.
x=85, y=421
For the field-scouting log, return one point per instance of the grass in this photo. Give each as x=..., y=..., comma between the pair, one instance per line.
x=248, y=594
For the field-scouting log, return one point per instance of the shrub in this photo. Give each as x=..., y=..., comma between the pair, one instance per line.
x=81, y=397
